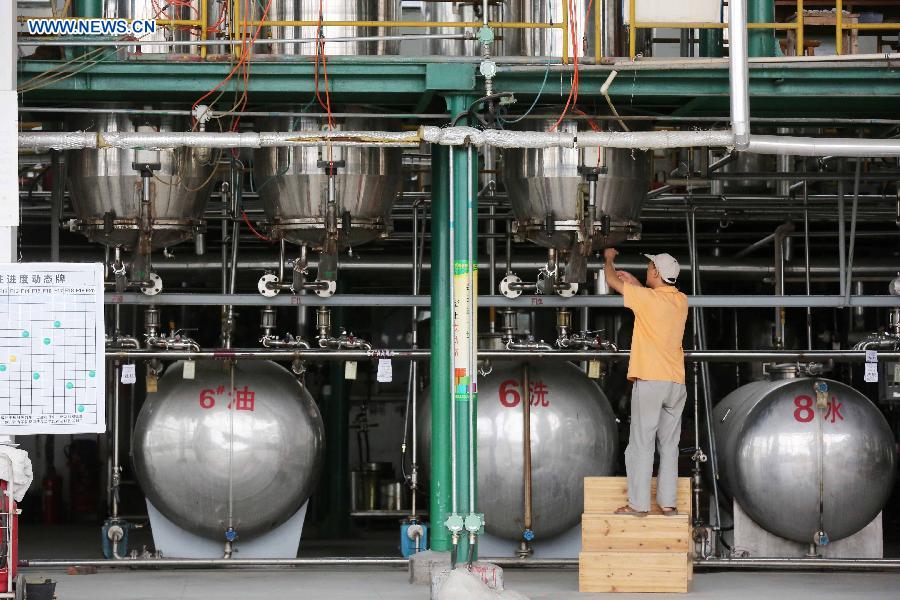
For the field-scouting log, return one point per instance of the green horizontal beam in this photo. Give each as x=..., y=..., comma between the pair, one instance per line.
x=404, y=81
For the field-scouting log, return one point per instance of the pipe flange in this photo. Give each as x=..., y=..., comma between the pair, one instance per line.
x=567, y=292
x=155, y=287
x=328, y=290
x=267, y=285
x=506, y=289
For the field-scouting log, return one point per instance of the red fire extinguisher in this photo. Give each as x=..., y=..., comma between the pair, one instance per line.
x=9, y=540
x=51, y=497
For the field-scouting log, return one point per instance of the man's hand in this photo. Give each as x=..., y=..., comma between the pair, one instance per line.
x=628, y=278
x=609, y=270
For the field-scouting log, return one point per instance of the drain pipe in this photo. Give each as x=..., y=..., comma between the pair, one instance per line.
x=781, y=233
x=849, y=274
x=525, y=549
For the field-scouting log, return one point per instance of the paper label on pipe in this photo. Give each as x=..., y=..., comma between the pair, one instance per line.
x=350, y=369
x=385, y=371
x=129, y=376
x=190, y=369
x=151, y=384
x=594, y=369
x=871, y=356
x=871, y=374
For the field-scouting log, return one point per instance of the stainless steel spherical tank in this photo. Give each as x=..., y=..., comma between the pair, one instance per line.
x=293, y=186
x=183, y=449
x=549, y=193
x=106, y=187
x=780, y=455
x=573, y=436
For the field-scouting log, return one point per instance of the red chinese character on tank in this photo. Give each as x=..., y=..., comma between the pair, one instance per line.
x=834, y=410
x=539, y=393
x=245, y=399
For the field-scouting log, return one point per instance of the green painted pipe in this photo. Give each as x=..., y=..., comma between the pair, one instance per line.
x=441, y=351
x=761, y=42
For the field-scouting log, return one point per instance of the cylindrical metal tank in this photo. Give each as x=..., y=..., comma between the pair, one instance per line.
x=549, y=41
x=293, y=185
x=146, y=9
x=783, y=454
x=465, y=12
x=293, y=182
x=106, y=185
x=345, y=10
x=549, y=193
x=573, y=436
x=184, y=448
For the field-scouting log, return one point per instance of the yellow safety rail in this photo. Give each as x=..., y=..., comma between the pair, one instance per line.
x=840, y=27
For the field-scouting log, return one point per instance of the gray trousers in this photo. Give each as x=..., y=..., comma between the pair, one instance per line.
x=656, y=408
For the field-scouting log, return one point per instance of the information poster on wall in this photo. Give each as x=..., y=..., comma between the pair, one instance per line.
x=51, y=348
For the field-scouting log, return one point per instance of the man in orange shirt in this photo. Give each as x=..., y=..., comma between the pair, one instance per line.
x=657, y=369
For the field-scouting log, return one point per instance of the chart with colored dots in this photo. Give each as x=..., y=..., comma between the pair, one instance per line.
x=52, y=344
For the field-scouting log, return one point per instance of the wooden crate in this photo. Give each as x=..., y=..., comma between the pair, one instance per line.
x=624, y=553
x=606, y=494
x=632, y=572
x=653, y=533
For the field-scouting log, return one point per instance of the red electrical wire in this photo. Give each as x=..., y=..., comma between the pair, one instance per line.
x=573, y=92
x=253, y=229
x=321, y=55
x=241, y=60
x=219, y=20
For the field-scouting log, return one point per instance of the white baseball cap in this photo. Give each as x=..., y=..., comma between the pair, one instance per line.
x=666, y=265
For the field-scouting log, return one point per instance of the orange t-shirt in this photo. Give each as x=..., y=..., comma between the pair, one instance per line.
x=659, y=318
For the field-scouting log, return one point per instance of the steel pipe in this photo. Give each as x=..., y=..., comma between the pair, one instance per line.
x=240, y=42
x=739, y=74
x=216, y=563
x=425, y=354
x=578, y=301
x=808, y=146
x=800, y=564
x=786, y=564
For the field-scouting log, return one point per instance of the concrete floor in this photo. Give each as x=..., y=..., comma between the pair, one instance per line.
x=347, y=584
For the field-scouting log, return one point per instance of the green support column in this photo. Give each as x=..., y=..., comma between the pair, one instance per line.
x=453, y=379
x=88, y=8
x=761, y=42
x=440, y=353
x=711, y=43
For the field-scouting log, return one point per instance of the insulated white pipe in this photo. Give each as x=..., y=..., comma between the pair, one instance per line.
x=807, y=146
x=739, y=73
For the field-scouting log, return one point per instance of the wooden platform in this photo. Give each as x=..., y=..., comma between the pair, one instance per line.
x=621, y=553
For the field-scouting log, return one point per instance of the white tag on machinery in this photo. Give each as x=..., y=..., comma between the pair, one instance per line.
x=385, y=371
x=129, y=377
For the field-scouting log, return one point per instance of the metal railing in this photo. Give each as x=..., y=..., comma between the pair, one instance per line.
x=797, y=26
x=633, y=26
x=840, y=26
